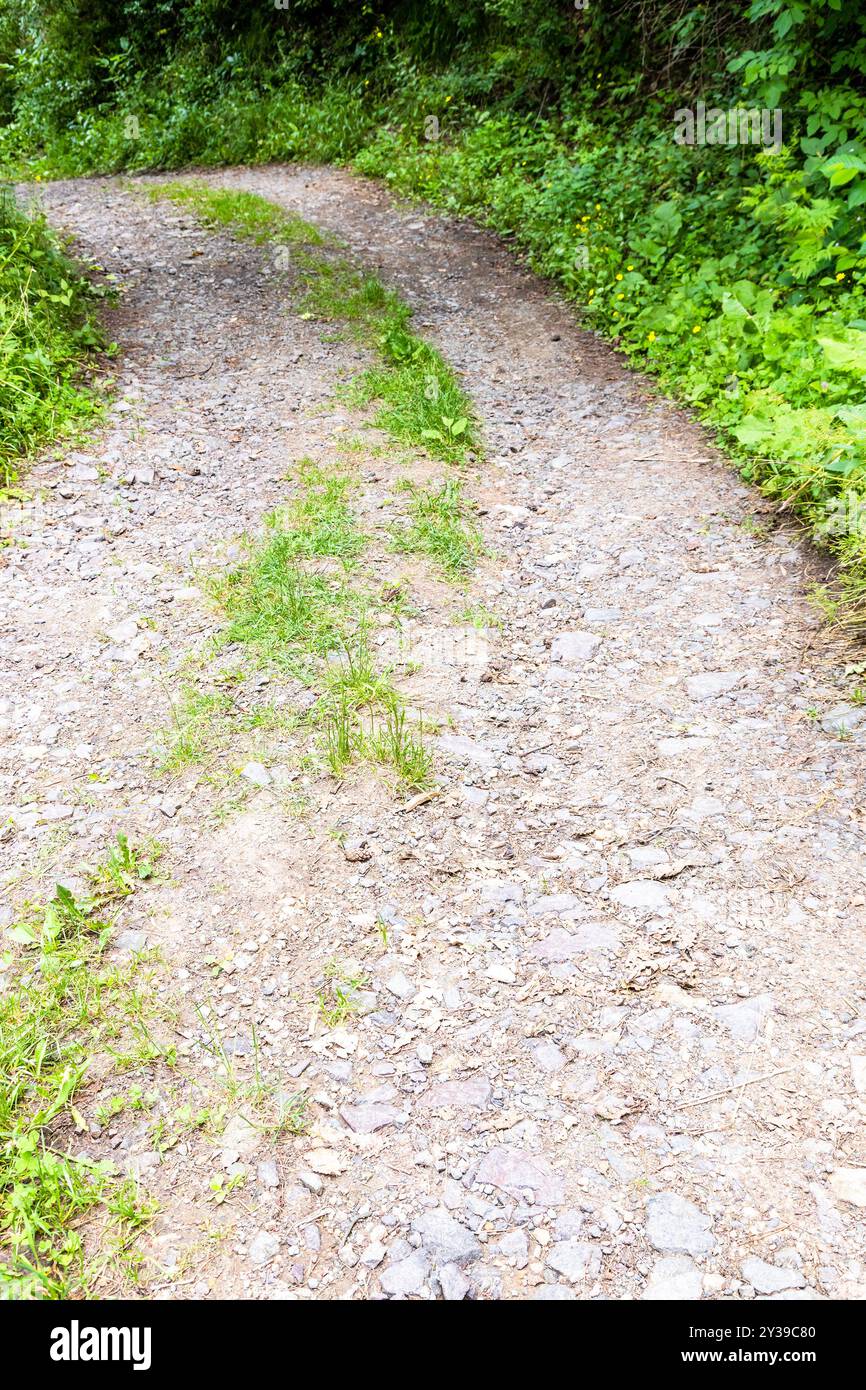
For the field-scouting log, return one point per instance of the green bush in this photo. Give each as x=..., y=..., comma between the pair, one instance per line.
x=47, y=327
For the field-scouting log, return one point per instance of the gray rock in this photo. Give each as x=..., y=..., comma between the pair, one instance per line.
x=676, y=1224
x=130, y=941
x=711, y=684
x=794, y=1296
x=641, y=892
x=515, y=1246
x=501, y=891
x=257, y=773
x=558, y=945
x=406, y=1276
x=554, y=1293
x=374, y=1254
x=767, y=1278
x=849, y=1185
x=548, y=1056
x=267, y=1174
x=473, y=1094
x=401, y=987
x=554, y=902
x=743, y=1020
x=514, y=1171
x=597, y=936
x=674, y=1277
x=240, y=1138
x=453, y=1283
x=263, y=1247
x=460, y=747
x=444, y=1239
x=844, y=719
x=369, y=1116
x=574, y=648
x=576, y=1259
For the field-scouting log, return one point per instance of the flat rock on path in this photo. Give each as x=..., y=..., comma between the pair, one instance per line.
x=605, y=1049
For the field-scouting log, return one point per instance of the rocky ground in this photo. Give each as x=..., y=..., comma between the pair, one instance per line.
x=610, y=1040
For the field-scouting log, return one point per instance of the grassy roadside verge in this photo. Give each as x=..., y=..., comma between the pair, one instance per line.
x=64, y=1001
x=48, y=332
x=89, y=1029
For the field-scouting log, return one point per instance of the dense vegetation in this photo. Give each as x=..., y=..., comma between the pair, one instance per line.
x=46, y=327
x=734, y=272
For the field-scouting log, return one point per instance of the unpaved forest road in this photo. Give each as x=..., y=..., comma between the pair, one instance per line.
x=614, y=1045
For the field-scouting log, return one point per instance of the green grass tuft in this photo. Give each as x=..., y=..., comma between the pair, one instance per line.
x=63, y=1002
x=243, y=214
x=440, y=527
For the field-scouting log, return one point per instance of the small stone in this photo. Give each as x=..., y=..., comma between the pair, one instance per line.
x=445, y=1239
x=843, y=719
x=767, y=1278
x=473, y=1094
x=124, y=632
x=515, y=1246
x=460, y=747
x=370, y=1116
x=401, y=986
x=267, y=1174
x=374, y=1254
x=676, y=1224
x=240, y=1138
x=495, y=891
x=711, y=684
x=641, y=892
x=554, y=903
x=745, y=1019
x=357, y=851
x=674, y=1277
x=263, y=1247
x=514, y=1171
x=548, y=1057
x=406, y=1276
x=324, y=1161
x=453, y=1283
x=554, y=1293
x=574, y=648
x=849, y=1185
x=257, y=773
x=557, y=946
x=576, y=1259
x=132, y=941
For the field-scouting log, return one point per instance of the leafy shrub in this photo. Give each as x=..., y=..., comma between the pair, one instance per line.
x=46, y=329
